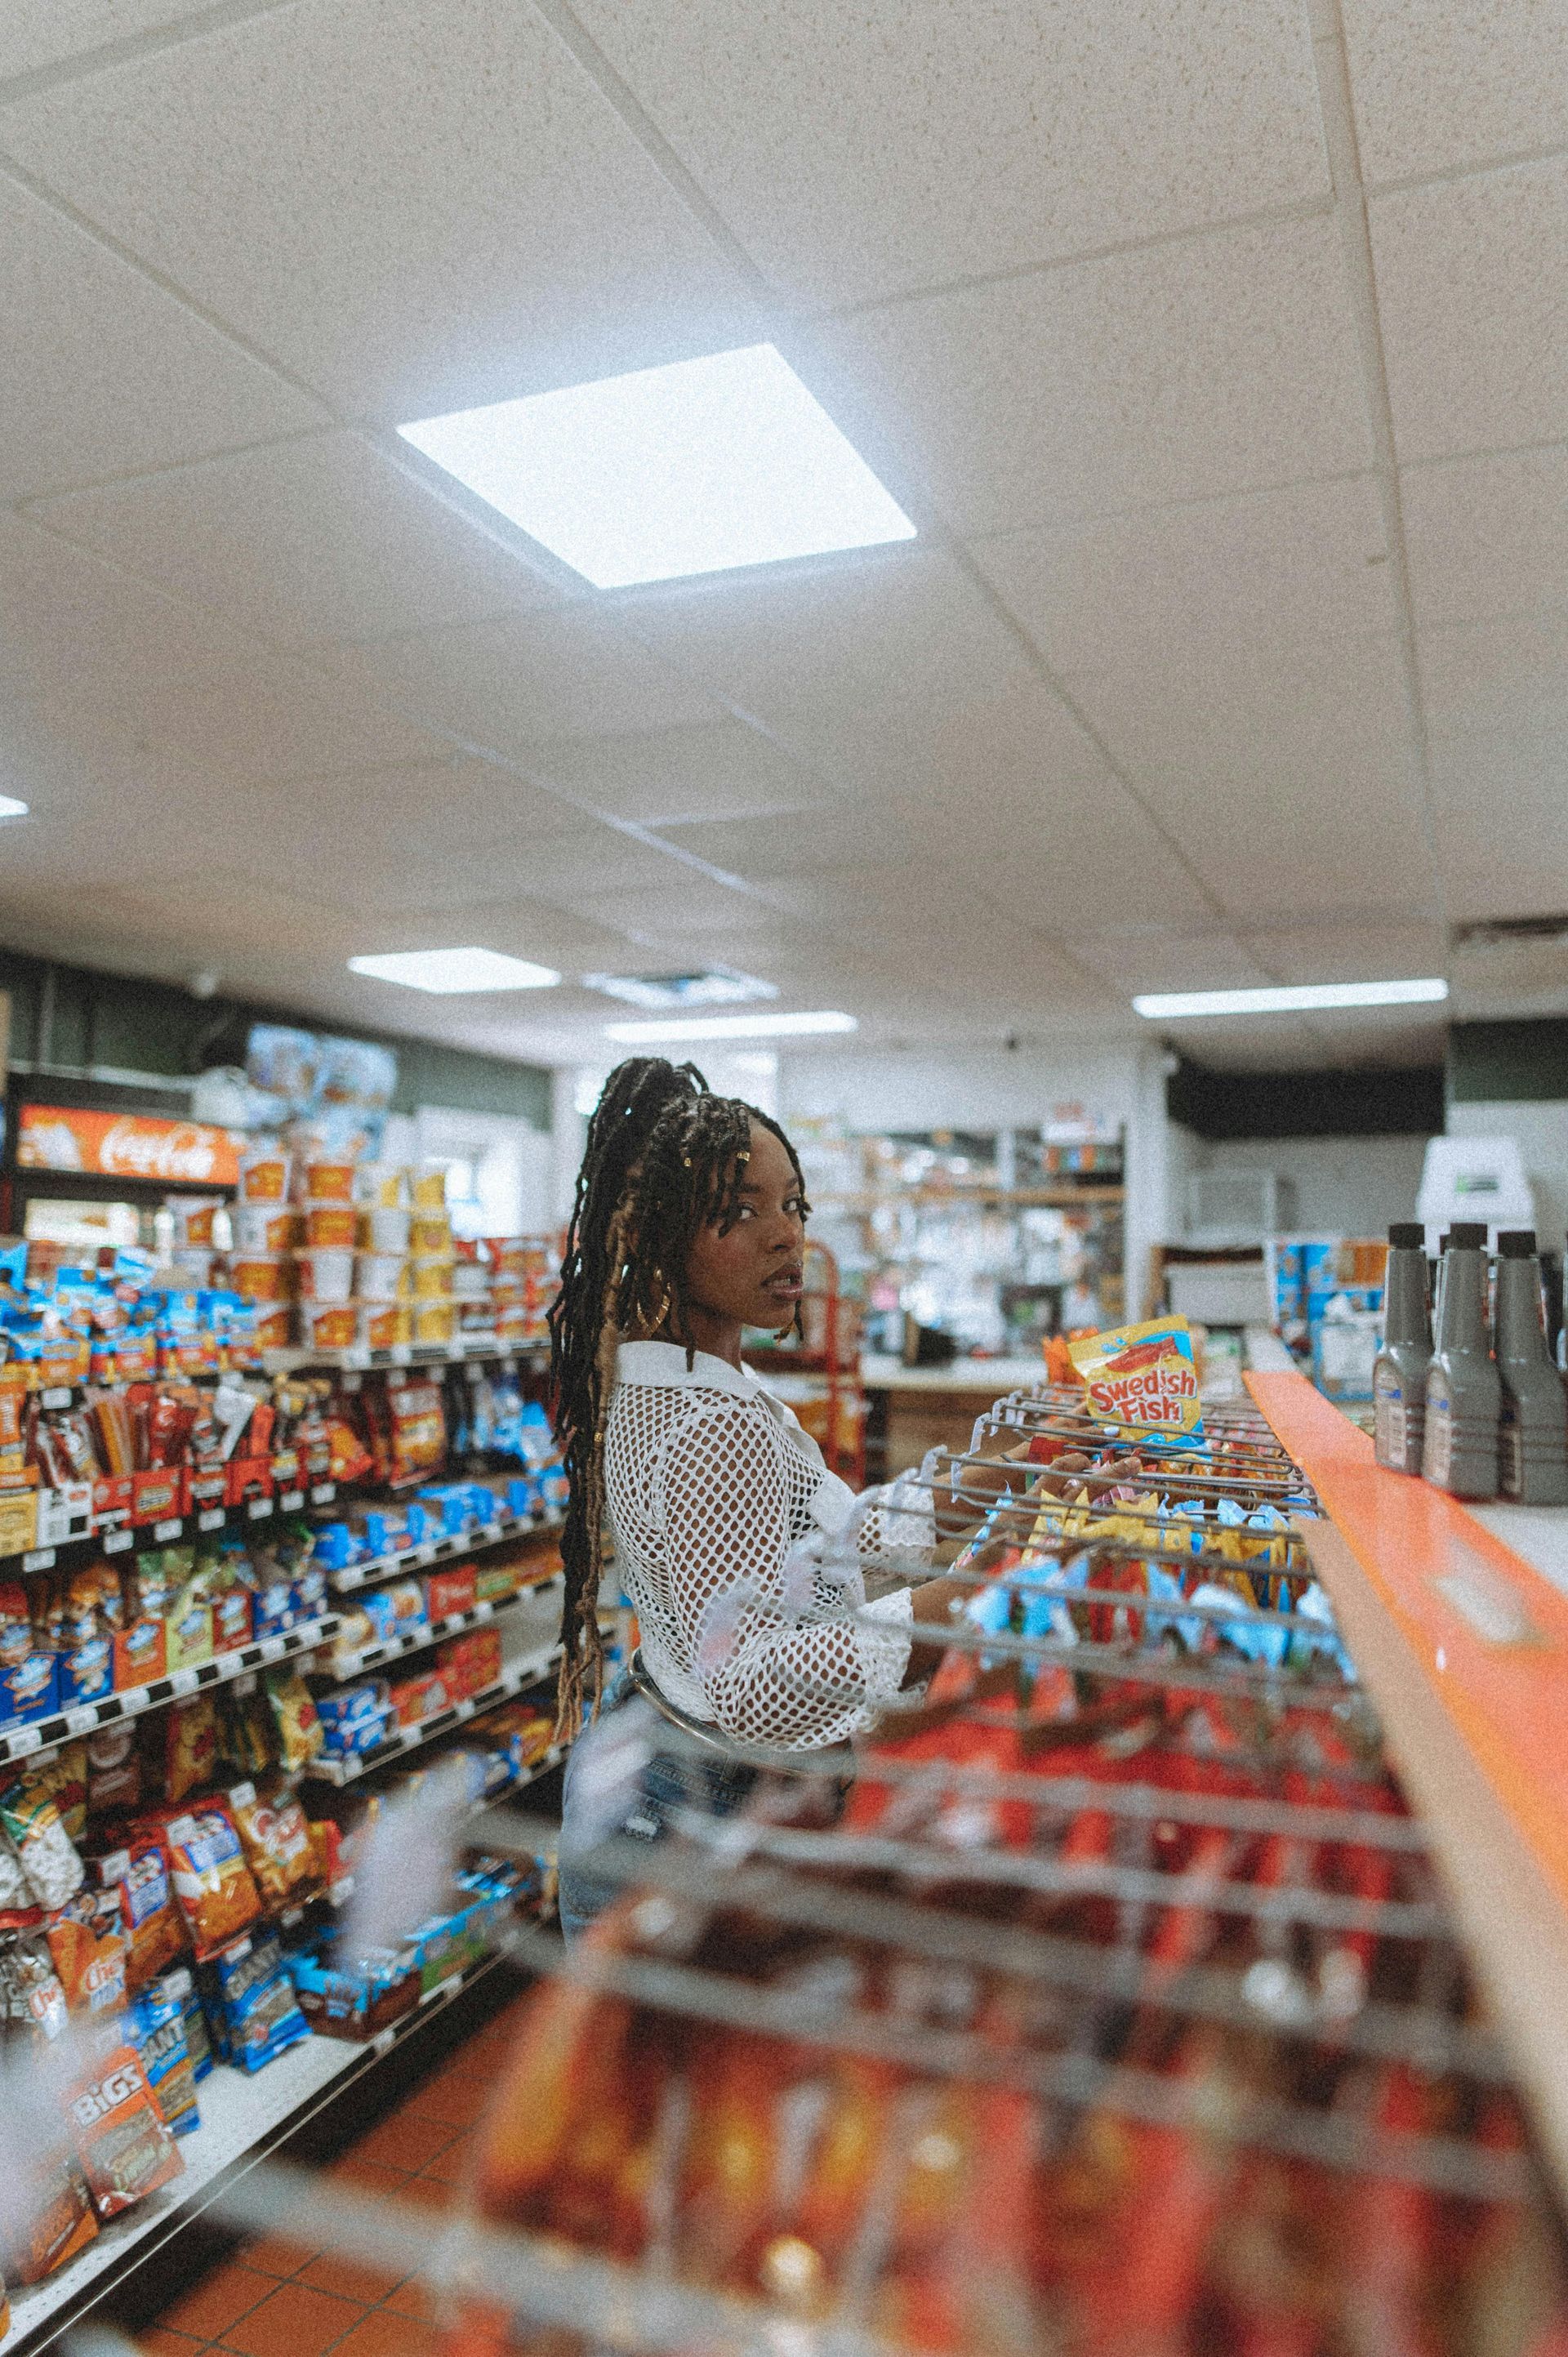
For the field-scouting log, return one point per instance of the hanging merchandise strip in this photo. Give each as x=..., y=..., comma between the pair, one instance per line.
x=1122, y=1947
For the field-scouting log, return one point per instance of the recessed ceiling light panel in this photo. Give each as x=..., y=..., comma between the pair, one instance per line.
x=729, y=1026
x=450, y=972
x=11, y=808
x=1302, y=998
x=696, y=467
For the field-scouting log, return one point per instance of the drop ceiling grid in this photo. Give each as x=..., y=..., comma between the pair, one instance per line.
x=533, y=749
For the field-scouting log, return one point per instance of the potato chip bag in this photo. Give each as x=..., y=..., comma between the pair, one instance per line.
x=247, y=1734
x=154, y=1936
x=30, y=1819
x=299, y=1728
x=213, y=1884
x=88, y=1952
x=276, y=1841
x=63, y=2224
x=125, y=2150
x=190, y=1747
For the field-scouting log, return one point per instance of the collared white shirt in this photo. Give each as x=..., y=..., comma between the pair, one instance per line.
x=740, y=1553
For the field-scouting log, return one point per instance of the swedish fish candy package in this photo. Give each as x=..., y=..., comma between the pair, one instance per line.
x=1142, y=1378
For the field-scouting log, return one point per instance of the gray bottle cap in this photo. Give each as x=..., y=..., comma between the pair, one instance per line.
x=1407, y=1235
x=1468, y=1235
x=1515, y=1243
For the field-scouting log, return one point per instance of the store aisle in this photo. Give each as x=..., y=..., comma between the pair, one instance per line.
x=274, y=2299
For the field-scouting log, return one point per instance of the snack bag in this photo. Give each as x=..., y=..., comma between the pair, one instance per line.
x=190, y=1747
x=113, y=1768
x=277, y=1846
x=30, y=1995
x=188, y=1620
x=179, y=1985
x=149, y=1919
x=125, y=2150
x=247, y=1733
x=256, y=1999
x=30, y=1821
x=298, y=1727
x=213, y=1884
x=64, y=1778
x=63, y=2224
x=88, y=1953
x=1143, y=1379
x=231, y=1597
x=154, y=2024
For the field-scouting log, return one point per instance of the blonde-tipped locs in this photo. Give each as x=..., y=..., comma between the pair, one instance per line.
x=663, y=1156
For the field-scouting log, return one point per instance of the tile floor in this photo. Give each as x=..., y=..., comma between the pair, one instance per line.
x=277, y=2299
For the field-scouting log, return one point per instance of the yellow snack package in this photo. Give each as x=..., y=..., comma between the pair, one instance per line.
x=1142, y=1378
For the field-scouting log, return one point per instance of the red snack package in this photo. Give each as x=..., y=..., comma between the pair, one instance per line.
x=149, y=1919
x=125, y=2150
x=212, y=1885
x=62, y=2225
x=278, y=1845
x=88, y=1952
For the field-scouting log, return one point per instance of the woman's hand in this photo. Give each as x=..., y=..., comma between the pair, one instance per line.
x=974, y=1483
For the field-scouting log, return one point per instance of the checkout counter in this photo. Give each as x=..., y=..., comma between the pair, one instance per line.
x=911, y=1409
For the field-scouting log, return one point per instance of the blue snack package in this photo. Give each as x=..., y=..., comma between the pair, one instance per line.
x=154, y=2024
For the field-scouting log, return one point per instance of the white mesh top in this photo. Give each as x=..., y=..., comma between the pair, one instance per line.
x=724, y=1518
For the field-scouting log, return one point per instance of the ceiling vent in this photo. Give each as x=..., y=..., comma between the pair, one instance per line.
x=713, y=985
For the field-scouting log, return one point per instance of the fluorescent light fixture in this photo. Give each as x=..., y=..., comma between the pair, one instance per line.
x=694, y=468
x=729, y=1026
x=451, y=970
x=11, y=808
x=1296, y=998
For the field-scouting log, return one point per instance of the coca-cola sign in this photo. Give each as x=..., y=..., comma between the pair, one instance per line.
x=127, y=1146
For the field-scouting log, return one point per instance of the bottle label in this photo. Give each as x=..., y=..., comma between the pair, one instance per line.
x=1510, y=1452
x=1389, y=1437
x=1438, y=1439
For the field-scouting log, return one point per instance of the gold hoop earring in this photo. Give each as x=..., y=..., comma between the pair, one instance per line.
x=656, y=1317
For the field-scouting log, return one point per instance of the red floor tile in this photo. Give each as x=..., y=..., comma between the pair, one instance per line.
x=208, y=2308
x=402, y=2142
x=157, y=2341
x=413, y=2298
x=457, y=2098
x=454, y=2165
x=350, y=2280
x=384, y=2334
x=272, y=2256
x=293, y=2321
x=373, y=2176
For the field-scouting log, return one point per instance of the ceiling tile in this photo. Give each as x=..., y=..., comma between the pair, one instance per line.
x=1131, y=961
x=1212, y=364
x=1497, y=711
x=1269, y=566
x=896, y=671
x=103, y=371
x=38, y=33
x=317, y=539
x=1290, y=785
x=417, y=205
x=272, y=717
x=1443, y=89
x=1350, y=953
x=1473, y=296
x=507, y=684
x=798, y=841
x=669, y=776
x=1002, y=134
x=1487, y=536
x=679, y=914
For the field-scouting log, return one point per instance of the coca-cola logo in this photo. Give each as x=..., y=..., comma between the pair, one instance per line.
x=185, y=1150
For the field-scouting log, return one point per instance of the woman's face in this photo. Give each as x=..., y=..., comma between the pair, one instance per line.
x=749, y=1272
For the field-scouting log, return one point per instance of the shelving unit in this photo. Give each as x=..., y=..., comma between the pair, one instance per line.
x=451, y=1624
x=529, y=1671
x=1457, y=1619
x=443, y=1550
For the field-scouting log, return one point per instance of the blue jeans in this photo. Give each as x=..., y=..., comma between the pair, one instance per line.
x=626, y=1779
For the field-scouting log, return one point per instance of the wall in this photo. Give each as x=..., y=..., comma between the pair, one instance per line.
x=1343, y=1185
x=1510, y=1080
x=1541, y=1130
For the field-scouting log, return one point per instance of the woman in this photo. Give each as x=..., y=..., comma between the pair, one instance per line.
x=689, y=1226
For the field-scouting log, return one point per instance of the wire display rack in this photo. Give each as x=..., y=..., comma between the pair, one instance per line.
x=1114, y=2010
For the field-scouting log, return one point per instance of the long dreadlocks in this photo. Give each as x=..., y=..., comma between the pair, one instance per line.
x=664, y=1156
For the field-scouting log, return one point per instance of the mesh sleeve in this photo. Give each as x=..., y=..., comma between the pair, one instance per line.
x=778, y=1663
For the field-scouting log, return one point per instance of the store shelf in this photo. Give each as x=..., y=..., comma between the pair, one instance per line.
x=119, y=1538
x=420, y=1558
x=243, y=2119
x=23, y=1742
x=1060, y=1198
x=451, y=1624
x=1457, y=1620
x=474, y=1349
x=526, y=1672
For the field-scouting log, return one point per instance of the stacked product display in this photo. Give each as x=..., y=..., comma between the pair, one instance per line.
x=1120, y=2010
x=1466, y=1393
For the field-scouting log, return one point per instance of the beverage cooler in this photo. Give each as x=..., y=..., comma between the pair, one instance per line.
x=94, y=1164
x=1183, y=1972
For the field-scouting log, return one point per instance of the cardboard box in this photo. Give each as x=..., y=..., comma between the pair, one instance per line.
x=449, y=1589
x=158, y=1494
x=18, y=1520
x=64, y=1514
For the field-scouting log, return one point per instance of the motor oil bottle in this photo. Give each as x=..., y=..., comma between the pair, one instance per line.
x=1533, y=1432
x=1399, y=1377
x=1464, y=1396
